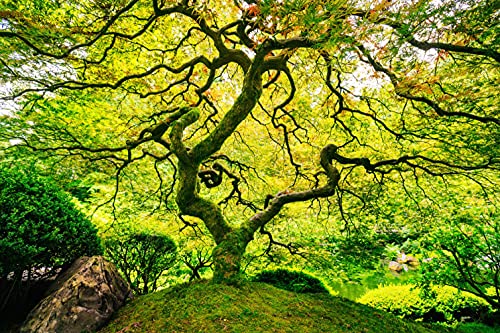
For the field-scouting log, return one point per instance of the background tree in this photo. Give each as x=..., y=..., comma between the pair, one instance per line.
x=216, y=99
x=464, y=252
x=142, y=257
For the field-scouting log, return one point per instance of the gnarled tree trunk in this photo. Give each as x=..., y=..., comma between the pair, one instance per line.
x=231, y=243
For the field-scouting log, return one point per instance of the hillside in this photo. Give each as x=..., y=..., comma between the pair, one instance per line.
x=252, y=307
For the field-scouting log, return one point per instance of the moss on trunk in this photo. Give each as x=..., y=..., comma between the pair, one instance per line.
x=228, y=254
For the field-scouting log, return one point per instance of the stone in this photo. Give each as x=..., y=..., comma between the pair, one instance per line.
x=82, y=299
x=404, y=259
x=395, y=266
x=412, y=261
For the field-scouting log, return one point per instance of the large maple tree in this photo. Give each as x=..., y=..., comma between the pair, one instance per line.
x=341, y=93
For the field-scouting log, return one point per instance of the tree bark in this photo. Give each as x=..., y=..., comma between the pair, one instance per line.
x=228, y=254
x=231, y=243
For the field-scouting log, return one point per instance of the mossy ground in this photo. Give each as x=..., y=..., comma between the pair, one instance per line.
x=252, y=307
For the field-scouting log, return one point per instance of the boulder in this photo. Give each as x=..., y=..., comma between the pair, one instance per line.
x=412, y=261
x=83, y=298
x=395, y=266
x=406, y=259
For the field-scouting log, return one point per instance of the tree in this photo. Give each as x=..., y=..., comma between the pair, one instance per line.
x=227, y=95
x=464, y=252
x=142, y=257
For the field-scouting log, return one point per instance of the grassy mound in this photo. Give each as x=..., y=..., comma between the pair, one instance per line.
x=252, y=307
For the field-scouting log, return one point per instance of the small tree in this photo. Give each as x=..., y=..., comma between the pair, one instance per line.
x=197, y=261
x=142, y=258
x=465, y=254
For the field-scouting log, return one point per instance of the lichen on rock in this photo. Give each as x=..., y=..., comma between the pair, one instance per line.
x=82, y=299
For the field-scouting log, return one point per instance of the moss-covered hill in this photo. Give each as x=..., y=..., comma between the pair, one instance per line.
x=253, y=307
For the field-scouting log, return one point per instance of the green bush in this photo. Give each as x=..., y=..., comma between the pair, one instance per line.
x=441, y=304
x=295, y=281
x=142, y=258
x=39, y=226
x=41, y=231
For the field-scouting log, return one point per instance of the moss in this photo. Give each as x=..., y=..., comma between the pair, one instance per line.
x=227, y=257
x=252, y=307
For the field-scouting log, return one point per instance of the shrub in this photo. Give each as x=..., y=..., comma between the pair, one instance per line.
x=442, y=304
x=39, y=226
x=295, y=281
x=142, y=258
x=40, y=231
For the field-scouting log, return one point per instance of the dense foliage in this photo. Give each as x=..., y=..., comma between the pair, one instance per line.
x=40, y=229
x=295, y=281
x=442, y=304
x=465, y=252
x=41, y=232
x=142, y=258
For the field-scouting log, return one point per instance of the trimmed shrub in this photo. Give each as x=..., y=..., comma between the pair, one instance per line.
x=142, y=258
x=442, y=304
x=39, y=226
x=40, y=231
x=295, y=281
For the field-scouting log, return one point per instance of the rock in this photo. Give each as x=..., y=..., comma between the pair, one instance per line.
x=402, y=258
x=395, y=266
x=81, y=299
x=406, y=259
x=412, y=261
